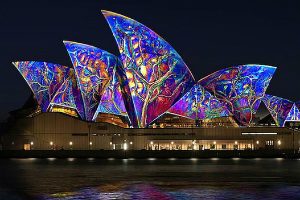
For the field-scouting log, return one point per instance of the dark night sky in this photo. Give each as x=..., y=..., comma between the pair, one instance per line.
x=209, y=35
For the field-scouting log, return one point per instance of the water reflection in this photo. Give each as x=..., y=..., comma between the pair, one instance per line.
x=148, y=191
x=149, y=179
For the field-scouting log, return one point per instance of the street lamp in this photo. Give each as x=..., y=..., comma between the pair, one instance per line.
x=51, y=145
x=31, y=145
x=125, y=146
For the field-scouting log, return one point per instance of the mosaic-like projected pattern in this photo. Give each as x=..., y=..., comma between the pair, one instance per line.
x=294, y=114
x=43, y=78
x=199, y=104
x=112, y=99
x=95, y=70
x=68, y=95
x=278, y=107
x=240, y=88
x=157, y=75
x=64, y=95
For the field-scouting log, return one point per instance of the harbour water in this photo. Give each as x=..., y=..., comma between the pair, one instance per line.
x=149, y=178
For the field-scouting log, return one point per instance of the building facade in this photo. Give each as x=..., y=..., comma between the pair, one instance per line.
x=58, y=131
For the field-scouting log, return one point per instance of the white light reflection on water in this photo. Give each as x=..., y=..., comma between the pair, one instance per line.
x=151, y=159
x=91, y=159
x=23, y=159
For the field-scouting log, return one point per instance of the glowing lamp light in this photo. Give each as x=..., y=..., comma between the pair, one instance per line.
x=215, y=142
x=172, y=142
x=51, y=143
x=151, y=142
x=257, y=142
x=131, y=143
x=91, y=143
x=31, y=143
x=279, y=142
x=70, y=143
x=235, y=142
x=125, y=146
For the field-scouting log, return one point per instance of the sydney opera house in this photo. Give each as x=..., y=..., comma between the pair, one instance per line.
x=147, y=98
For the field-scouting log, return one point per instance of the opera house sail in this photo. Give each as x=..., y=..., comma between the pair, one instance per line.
x=278, y=107
x=51, y=84
x=293, y=115
x=157, y=76
x=96, y=73
x=199, y=104
x=240, y=88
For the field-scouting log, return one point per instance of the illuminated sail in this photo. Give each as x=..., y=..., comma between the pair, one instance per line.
x=96, y=75
x=278, y=107
x=156, y=74
x=43, y=78
x=199, y=104
x=240, y=88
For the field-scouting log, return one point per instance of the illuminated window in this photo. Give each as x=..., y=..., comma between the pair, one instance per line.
x=269, y=142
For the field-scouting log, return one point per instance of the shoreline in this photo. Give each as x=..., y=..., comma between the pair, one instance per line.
x=143, y=154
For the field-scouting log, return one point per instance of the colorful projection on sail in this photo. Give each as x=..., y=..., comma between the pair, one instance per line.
x=156, y=74
x=279, y=108
x=96, y=70
x=294, y=114
x=43, y=78
x=240, y=88
x=68, y=95
x=199, y=104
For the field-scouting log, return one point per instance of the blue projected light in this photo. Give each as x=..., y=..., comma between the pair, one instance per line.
x=199, y=104
x=240, y=88
x=156, y=74
x=96, y=70
x=278, y=107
